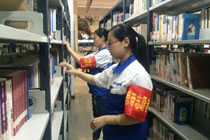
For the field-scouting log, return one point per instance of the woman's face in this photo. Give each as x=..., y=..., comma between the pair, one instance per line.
x=115, y=47
x=98, y=42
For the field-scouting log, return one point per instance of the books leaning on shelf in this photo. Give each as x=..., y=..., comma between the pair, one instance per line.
x=137, y=8
x=162, y=132
x=171, y=28
x=185, y=69
x=22, y=61
x=175, y=105
x=13, y=101
x=118, y=18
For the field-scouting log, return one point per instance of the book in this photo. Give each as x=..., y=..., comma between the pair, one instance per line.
x=190, y=26
x=19, y=97
x=9, y=106
x=198, y=69
x=183, y=108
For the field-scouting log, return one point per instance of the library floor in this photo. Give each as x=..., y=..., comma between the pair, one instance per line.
x=80, y=113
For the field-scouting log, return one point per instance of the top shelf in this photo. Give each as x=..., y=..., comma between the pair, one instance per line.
x=168, y=7
x=173, y=7
x=109, y=12
x=138, y=19
x=12, y=34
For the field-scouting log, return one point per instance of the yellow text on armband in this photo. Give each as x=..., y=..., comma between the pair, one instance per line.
x=138, y=102
x=88, y=62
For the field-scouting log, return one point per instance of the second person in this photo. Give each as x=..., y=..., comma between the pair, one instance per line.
x=96, y=62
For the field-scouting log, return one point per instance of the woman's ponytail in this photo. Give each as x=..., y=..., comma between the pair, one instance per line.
x=141, y=53
x=137, y=42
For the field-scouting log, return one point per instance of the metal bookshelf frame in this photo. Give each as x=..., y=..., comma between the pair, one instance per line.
x=43, y=124
x=169, y=7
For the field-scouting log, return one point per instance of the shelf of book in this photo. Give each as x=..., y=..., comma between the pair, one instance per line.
x=184, y=131
x=137, y=19
x=108, y=13
x=12, y=34
x=55, y=89
x=56, y=124
x=202, y=94
x=179, y=6
x=34, y=128
x=182, y=42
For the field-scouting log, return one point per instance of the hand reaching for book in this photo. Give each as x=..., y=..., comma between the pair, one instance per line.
x=70, y=68
x=68, y=45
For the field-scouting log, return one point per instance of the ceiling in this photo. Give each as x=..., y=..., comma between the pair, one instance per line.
x=98, y=7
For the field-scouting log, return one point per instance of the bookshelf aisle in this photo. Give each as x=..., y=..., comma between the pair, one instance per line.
x=178, y=47
x=34, y=105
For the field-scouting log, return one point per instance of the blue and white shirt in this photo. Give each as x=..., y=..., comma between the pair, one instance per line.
x=117, y=79
x=97, y=62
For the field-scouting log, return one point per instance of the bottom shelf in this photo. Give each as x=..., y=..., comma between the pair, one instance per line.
x=34, y=128
x=56, y=124
x=184, y=131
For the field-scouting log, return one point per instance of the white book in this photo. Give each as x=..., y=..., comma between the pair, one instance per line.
x=9, y=105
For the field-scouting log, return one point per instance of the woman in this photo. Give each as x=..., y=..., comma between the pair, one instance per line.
x=129, y=84
x=96, y=62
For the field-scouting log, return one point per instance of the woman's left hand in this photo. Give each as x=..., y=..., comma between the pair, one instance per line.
x=97, y=123
x=70, y=68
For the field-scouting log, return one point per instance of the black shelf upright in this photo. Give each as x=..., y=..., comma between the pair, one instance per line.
x=43, y=7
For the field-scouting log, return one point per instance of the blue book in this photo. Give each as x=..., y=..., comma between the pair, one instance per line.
x=183, y=109
x=191, y=26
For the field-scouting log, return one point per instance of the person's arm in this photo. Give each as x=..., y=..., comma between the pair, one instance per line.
x=133, y=113
x=84, y=76
x=120, y=119
x=75, y=55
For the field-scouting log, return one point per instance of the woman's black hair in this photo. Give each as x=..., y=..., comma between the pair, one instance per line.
x=101, y=32
x=137, y=42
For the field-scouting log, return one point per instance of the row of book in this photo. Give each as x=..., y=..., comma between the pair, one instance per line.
x=118, y=18
x=13, y=103
x=137, y=7
x=174, y=104
x=185, y=26
x=205, y=18
x=162, y=132
x=202, y=108
x=19, y=73
x=186, y=69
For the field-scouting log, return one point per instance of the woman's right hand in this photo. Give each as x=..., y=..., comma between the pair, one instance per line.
x=70, y=68
x=68, y=45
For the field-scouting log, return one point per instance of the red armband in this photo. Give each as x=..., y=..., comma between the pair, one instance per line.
x=88, y=63
x=137, y=102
